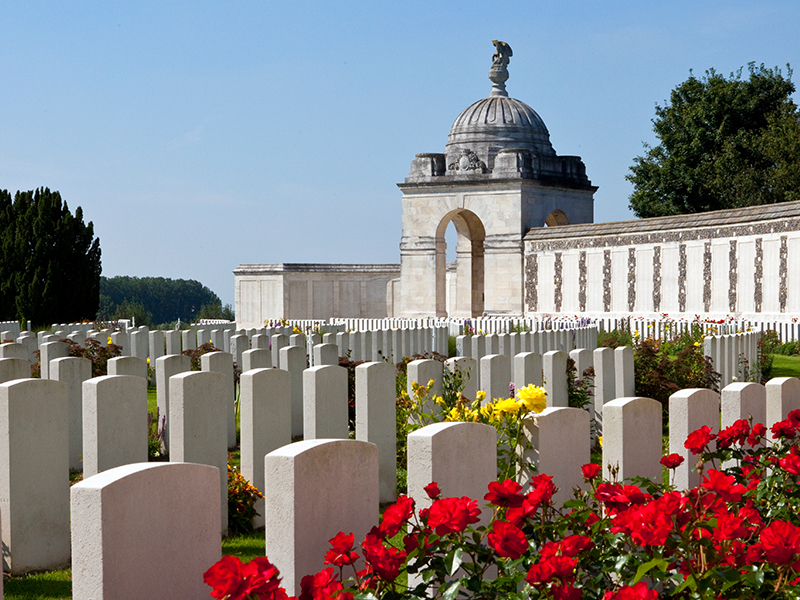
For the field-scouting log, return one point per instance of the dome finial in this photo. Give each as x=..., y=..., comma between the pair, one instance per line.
x=498, y=74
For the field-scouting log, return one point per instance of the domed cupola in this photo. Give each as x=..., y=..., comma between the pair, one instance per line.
x=499, y=138
x=495, y=123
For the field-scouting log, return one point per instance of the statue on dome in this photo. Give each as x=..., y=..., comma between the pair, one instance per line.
x=500, y=58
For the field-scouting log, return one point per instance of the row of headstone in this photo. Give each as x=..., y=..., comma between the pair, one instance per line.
x=733, y=356
x=391, y=344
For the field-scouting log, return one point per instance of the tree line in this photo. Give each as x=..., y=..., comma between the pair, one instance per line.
x=157, y=300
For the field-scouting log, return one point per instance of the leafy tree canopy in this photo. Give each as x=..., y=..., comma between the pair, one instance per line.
x=50, y=267
x=724, y=143
x=153, y=300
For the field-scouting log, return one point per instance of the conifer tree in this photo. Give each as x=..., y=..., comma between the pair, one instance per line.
x=50, y=268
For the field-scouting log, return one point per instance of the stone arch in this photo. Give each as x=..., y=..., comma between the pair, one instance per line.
x=468, y=299
x=557, y=217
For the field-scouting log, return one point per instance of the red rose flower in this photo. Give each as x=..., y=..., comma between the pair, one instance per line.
x=451, y=515
x=781, y=543
x=262, y=580
x=783, y=429
x=226, y=578
x=699, y=439
x=341, y=553
x=507, y=540
x=397, y=515
x=723, y=485
x=791, y=462
x=737, y=432
x=505, y=494
x=560, y=568
x=729, y=528
x=433, y=491
x=672, y=461
x=385, y=562
x=542, y=490
x=590, y=471
x=756, y=434
x=321, y=586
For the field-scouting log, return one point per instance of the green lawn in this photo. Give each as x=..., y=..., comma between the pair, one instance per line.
x=785, y=366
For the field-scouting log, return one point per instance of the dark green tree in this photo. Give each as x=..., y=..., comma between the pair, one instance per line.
x=50, y=267
x=166, y=300
x=724, y=143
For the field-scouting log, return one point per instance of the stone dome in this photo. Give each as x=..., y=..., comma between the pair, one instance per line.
x=496, y=123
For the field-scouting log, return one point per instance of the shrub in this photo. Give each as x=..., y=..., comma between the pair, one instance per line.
x=195, y=353
x=241, y=502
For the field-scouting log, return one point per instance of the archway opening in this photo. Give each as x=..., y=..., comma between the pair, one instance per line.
x=459, y=242
x=557, y=217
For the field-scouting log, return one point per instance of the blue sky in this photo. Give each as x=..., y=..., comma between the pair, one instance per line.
x=201, y=135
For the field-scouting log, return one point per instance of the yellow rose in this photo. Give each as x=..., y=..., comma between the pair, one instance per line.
x=506, y=406
x=533, y=397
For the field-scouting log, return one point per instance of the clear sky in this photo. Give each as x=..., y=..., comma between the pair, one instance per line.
x=201, y=135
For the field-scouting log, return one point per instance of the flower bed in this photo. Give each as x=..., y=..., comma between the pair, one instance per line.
x=734, y=536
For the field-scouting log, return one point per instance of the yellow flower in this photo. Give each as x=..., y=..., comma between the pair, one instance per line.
x=486, y=411
x=439, y=400
x=506, y=406
x=430, y=384
x=480, y=396
x=109, y=341
x=600, y=440
x=148, y=360
x=533, y=397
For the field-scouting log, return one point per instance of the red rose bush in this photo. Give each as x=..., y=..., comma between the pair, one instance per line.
x=736, y=535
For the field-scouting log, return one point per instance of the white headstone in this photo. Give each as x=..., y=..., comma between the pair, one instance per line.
x=782, y=397
x=127, y=365
x=266, y=414
x=34, y=439
x=632, y=438
x=555, y=378
x=73, y=371
x=560, y=445
x=325, y=402
x=198, y=434
x=114, y=422
x=222, y=362
x=376, y=420
x=293, y=360
x=14, y=368
x=689, y=410
x=495, y=376
x=128, y=539
x=300, y=520
x=166, y=367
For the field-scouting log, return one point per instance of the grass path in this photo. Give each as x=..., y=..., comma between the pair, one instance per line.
x=785, y=366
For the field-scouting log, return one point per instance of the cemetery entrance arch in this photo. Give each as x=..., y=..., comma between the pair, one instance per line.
x=467, y=289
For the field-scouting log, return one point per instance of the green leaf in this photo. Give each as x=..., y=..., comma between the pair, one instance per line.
x=689, y=582
x=621, y=562
x=643, y=569
x=452, y=561
x=452, y=590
